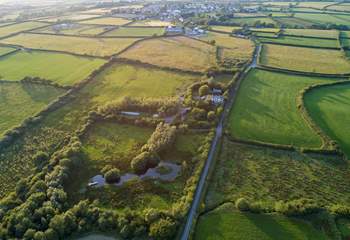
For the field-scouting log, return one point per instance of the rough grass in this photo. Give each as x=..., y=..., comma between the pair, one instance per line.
x=329, y=108
x=243, y=48
x=175, y=52
x=300, y=41
x=269, y=175
x=227, y=223
x=77, y=29
x=8, y=30
x=79, y=45
x=312, y=33
x=63, y=69
x=107, y=21
x=266, y=110
x=20, y=101
x=305, y=59
x=135, y=32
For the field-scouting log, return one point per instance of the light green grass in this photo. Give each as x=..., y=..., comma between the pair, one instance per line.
x=135, y=32
x=76, y=29
x=325, y=18
x=6, y=50
x=312, y=33
x=227, y=223
x=7, y=30
x=266, y=110
x=329, y=108
x=63, y=69
x=252, y=20
x=300, y=41
x=20, y=101
x=294, y=22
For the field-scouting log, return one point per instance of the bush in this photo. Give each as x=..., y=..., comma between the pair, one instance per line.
x=211, y=116
x=163, y=229
x=297, y=207
x=204, y=90
x=40, y=159
x=105, y=169
x=112, y=176
x=242, y=204
x=143, y=161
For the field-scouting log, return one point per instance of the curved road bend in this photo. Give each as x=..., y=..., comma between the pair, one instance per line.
x=200, y=186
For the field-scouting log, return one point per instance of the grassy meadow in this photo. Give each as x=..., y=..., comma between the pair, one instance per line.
x=270, y=175
x=25, y=26
x=226, y=223
x=176, y=52
x=312, y=33
x=266, y=110
x=107, y=21
x=294, y=22
x=226, y=29
x=77, y=29
x=78, y=45
x=135, y=32
x=20, y=101
x=252, y=20
x=72, y=17
x=324, y=18
x=63, y=69
x=151, y=23
x=329, y=107
x=301, y=41
x=6, y=50
x=312, y=60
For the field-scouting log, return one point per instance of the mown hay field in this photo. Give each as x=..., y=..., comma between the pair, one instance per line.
x=176, y=52
x=151, y=23
x=78, y=45
x=243, y=48
x=107, y=21
x=63, y=69
x=225, y=222
x=266, y=110
x=305, y=59
x=20, y=101
x=135, y=32
x=76, y=29
x=270, y=175
x=73, y=17
x=6, y=50
x=312, y=33
x=25, y=26
x=301, y=41
x=329, y=107
x=226, y=29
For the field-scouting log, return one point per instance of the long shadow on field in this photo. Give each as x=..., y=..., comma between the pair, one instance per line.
x=38, y=93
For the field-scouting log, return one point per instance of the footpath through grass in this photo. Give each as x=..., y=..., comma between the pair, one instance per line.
x=227, y=223
x=266, y=110
x=330, y=108
x=63, y=69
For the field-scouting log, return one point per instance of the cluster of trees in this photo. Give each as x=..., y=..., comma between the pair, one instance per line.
x=111, y=174
x=163, y=106
x=162, y=138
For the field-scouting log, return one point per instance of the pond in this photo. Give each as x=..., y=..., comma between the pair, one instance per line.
x=172, y=171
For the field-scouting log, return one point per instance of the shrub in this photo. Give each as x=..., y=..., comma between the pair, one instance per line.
x=242, y=204
x=163, y=229
x=40, y=159
x=211, y=116
x=112, y=176
x=105, y=169
x=297, y=207
x=143, y=161
x=204, y=90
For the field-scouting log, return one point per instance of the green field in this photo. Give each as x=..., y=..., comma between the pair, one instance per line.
x=227, y=223
x=101, y=47
x=63, y=69
x=300, y=41
x=135, y=32
x=72, y=17
x=325, y=18
x=8, y=30
x=329, y=108
x=312, y=33
x=20, y=101
x=75, y=29
x=266, y=110
x=269, y=175
x=6, y=50
x=294, y=22
x=226, y=29
x=252, y=21
x=312, y=60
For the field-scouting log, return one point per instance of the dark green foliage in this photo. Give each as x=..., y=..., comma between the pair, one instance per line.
x=297, y=207
x=242, y=204
x=112, y=176
x=164, y=228
x=40, y=159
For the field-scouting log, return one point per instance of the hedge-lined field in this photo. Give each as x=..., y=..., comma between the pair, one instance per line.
x=76, y=29
x=227, y=29
x=324, y=18
x=329, y=108
x=6, y=50
x=176, y=52
x=270, y=175
x=135, y=32
x=300, y=41
x=20, y=101
x=305, y=59
x=266, y=110
x=252, y=20
x=294, y=22
x=77, y=45
x=312, y=33
x=107, y=21
x=151, y=23
x=63, y=69
x=8, y=30
x=72, y=17
x=225, y=222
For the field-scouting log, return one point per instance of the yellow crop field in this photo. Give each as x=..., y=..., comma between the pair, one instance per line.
x=304, y=59
x=79, y=45
x=176, y=52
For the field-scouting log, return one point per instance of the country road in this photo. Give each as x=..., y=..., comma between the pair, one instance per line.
x=218, y=134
